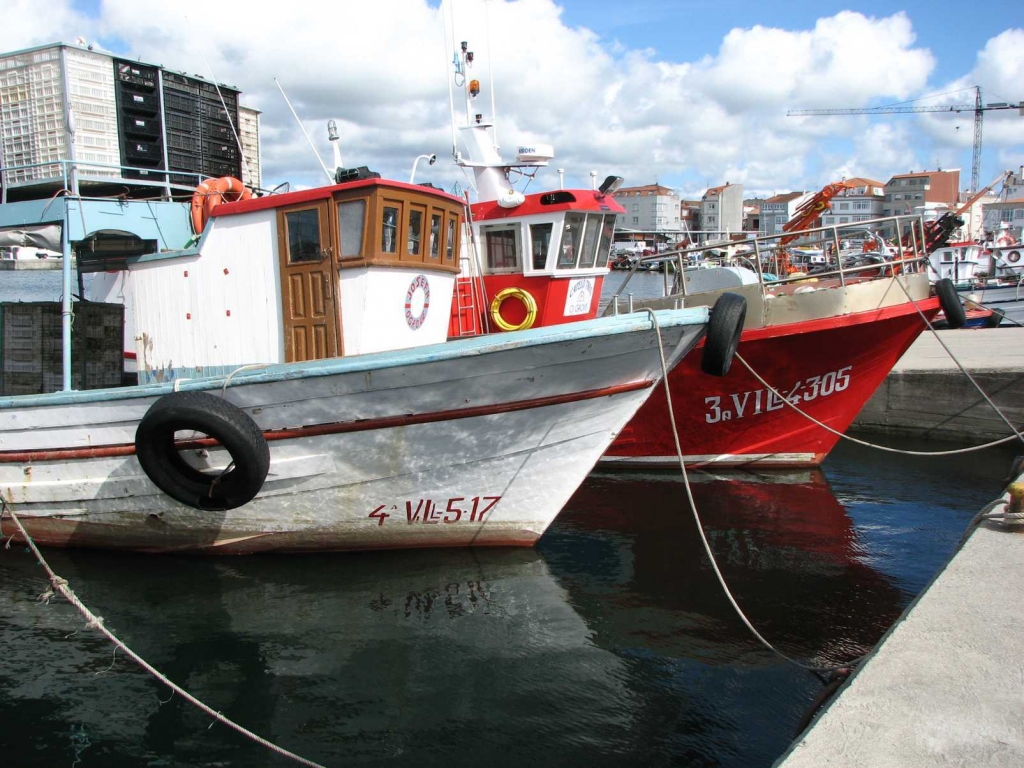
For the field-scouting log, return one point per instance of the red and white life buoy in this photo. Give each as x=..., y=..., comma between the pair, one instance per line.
x=212, y=193
x=416, y=321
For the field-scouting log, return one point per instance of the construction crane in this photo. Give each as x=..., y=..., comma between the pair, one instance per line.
x=977, y=107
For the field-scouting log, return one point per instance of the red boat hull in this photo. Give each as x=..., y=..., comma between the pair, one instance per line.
x=828, y=367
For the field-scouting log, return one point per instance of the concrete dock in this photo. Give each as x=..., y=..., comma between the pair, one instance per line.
x=21, y=265
x=926, y=395
x=945, y=687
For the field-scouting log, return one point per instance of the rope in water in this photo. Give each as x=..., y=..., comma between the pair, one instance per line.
x=58, y=584
x=700, y=527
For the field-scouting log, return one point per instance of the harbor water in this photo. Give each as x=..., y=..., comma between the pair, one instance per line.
x=610, y=643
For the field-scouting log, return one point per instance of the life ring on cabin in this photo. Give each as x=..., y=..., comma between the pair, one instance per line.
x=514, y=293
x=159, y=454
x=949, y=300
x=1013, y=257
x=416, y=321
x=723, y=336
x=211, y=193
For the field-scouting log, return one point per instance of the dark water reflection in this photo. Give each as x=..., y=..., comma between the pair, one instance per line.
x=609, y=644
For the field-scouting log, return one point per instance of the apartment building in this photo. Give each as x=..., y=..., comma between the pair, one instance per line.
x=862, y=201
x=722, y=209
x=778, y=209
x=927, y=190
x=652, y=213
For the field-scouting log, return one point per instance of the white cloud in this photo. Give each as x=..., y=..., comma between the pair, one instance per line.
x=380, y=70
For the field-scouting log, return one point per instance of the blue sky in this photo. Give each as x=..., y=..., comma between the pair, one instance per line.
x=688, y=94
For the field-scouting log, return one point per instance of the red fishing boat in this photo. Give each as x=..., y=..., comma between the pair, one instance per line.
x=824, y=341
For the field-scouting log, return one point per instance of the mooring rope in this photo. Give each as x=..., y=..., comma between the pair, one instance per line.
x=700, y=526
x=58, y=584
x=952, y=357
x=1015, y=436
x=866, y=444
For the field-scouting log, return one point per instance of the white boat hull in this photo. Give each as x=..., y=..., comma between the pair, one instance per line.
x=478, y=442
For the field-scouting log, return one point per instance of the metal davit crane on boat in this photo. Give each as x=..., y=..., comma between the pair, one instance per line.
x=977, y=107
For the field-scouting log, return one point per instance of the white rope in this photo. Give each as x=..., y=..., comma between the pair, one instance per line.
x=58, y=584
x=251, y=367
x=866, y=444
x=958, y=365
x=700, y=525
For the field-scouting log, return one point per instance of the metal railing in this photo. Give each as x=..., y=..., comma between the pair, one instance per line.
x=71, y=173
x=767, y=250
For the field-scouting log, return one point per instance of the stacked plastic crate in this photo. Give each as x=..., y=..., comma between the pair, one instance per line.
x=141, y=131
x=32, y=113
x=35, y=126
x=31, y=344
x=181, y=121
x=200, y=139
x=249, y=134
x=90, y=90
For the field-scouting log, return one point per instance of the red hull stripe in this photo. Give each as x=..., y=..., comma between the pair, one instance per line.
x=387, y=422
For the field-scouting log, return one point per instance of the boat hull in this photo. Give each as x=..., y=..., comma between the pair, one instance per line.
x=477, y=442
x=829, y=367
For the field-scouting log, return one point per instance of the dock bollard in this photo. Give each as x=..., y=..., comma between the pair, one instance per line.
x=1014, y=515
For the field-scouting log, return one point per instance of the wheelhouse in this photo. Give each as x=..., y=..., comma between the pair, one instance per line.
x=551, y=253
x=364, y=266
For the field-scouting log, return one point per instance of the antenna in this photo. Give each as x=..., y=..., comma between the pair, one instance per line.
x=330, y=178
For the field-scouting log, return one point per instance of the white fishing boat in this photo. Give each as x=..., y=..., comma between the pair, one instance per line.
x=296, y=394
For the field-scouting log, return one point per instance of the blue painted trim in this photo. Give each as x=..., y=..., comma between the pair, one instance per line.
x=449, y=350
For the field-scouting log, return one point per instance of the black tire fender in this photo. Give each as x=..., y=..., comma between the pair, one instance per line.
x=950, y=303
x=236, y=432
x=723, y=337
x=994, y=320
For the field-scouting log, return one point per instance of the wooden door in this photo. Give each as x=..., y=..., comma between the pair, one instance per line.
x=309, y=283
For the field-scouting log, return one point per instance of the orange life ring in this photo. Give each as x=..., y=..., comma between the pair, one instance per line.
x=212, y=193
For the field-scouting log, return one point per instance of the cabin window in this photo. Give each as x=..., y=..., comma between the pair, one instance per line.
x=449, y=243
x=502, y=248
x=605, y=247
x=303, y=236
x=351, y=219
x=540, y=241
x=415, y=232
x=435, y=236
x=588, y=254
x=389, y=230
x=572, y=235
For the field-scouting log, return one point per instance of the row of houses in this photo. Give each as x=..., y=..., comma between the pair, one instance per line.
x=657, y=213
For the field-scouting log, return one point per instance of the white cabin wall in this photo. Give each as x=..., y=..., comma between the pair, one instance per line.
x=373, y=309
x=182, y=320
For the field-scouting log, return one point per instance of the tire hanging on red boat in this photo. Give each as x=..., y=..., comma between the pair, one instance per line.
x=949, y=300
x=160, y=455
x=724, y=331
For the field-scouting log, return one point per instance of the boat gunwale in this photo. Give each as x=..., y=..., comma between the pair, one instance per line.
x=410, y=356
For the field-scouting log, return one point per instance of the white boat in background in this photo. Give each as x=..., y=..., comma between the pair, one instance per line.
x=961, y=263
x=298, y=394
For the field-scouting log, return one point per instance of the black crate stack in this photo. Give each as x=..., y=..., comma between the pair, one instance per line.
x=139, y=127
x=31, y=347
x=199, y=135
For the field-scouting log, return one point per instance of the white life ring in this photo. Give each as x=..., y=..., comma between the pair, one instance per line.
x=415, y=321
